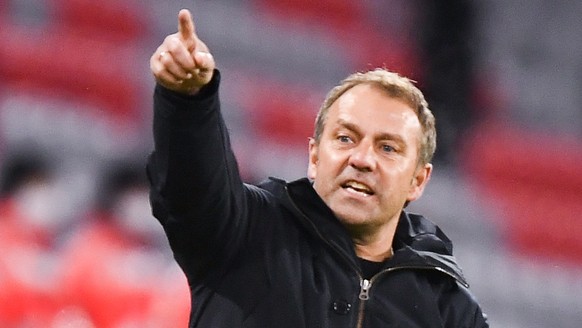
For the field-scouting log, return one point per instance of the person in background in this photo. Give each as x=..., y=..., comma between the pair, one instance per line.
x=447, y=39
x=30, y=237
x=27, y=203
x=334, y=249
x=115, y=266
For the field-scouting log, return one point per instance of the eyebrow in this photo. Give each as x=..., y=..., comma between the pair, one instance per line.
x=382, y=136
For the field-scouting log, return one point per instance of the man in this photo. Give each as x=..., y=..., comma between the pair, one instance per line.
x=334, y=250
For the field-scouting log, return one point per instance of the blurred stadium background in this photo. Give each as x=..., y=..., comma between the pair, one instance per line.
x=77, y=242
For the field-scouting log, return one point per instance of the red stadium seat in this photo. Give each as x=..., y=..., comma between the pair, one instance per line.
x=28, y=272
x=112, y=278
x=119, y=20
x=338, y=14
x=28, y=286
x=78, y=68
x=349, y=23
x=536, y=180
x=279, y=112
x=171, y=301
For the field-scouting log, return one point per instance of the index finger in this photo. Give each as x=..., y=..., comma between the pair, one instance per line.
x=186, y=29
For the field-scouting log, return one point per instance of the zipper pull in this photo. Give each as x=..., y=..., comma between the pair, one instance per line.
x=365, y=285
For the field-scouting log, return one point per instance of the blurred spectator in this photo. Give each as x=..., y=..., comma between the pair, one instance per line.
x=115, y=265
x=29, y=231
x=447, y=40
x=123, y=203
x=114, y=271
x=437, y=38
x=27, y=206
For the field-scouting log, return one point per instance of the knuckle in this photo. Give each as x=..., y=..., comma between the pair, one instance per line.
x=173, y=43
x=163, y=58
x=168, y=39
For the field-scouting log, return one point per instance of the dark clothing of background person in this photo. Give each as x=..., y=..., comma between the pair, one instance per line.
x=448, y=39
x=274, y=255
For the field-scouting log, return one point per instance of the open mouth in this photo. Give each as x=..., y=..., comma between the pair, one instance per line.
x=358, y=187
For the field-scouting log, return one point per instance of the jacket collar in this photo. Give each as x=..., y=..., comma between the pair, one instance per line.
x=418, y=242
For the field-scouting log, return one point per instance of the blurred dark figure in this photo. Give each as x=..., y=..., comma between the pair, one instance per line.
x=26, y=204
x=117, y=268
x=122, y=201
x=30, y=229
x=22, y=169
x=447, y=40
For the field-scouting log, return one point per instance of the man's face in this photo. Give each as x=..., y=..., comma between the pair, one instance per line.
x=365, y=165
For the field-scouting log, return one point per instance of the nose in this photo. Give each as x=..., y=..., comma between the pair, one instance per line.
x=363, y=157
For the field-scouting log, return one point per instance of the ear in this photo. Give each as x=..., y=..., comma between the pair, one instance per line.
x=419, y=182
x=313, y=159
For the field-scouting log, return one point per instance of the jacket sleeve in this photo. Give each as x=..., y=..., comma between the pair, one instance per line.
x=196, y=190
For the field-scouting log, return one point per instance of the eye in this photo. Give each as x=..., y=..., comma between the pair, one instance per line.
x=344, y=139
x=388, y=148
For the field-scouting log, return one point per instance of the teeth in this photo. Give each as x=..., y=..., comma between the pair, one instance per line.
x=359, y=187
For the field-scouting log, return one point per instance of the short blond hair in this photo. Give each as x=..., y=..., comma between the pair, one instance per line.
x=397, y=87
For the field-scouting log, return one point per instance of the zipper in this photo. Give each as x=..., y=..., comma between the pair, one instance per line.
x=366, y=284
x=364, y=292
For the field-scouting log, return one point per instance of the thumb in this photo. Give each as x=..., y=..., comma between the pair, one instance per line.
x=186, y=29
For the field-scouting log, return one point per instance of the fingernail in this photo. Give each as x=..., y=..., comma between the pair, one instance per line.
x=188, y=76
x=204, y=53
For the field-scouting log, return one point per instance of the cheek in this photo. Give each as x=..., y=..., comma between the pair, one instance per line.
x=397, y=179
x=326, y=162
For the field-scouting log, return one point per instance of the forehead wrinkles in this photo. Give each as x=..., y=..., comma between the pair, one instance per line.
x=385, y=103
x=408, y=129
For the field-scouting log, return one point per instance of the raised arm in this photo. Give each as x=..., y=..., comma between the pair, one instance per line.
x=196, y=190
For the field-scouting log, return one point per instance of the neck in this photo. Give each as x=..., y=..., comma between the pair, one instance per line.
x=376, y=252
x=376, y=244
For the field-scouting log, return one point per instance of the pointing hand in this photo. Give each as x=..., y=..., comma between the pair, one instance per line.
x=183, y=62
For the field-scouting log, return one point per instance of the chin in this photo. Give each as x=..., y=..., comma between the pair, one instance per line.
x=351, y=217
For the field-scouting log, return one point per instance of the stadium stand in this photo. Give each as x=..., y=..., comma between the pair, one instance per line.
x=535, y=178
x=68, y=62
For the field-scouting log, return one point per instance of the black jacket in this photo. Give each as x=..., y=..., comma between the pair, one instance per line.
x=274, y=255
